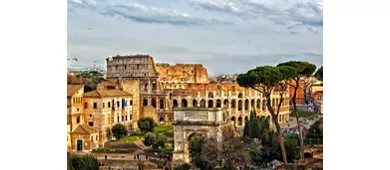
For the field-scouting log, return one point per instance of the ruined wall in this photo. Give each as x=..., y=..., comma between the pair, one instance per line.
x=132, y=87
x=149, y=111
x=130, y=66
x=182, y=73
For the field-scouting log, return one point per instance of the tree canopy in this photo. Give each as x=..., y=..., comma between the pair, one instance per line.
x=303, y=68
x=146, y=124
x=119, y=131
x=82, y=162
x=319, y=73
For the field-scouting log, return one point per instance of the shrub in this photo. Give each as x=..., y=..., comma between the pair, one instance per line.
x=119, y=131
x=146, y=124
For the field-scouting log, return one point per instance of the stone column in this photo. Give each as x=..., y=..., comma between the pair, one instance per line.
x=150, y=86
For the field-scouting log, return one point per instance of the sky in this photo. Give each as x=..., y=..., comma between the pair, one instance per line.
x=226, y=36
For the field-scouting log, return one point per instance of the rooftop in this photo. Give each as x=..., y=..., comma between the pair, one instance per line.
x=85, y=129
x=106, y=93
x=72, y=89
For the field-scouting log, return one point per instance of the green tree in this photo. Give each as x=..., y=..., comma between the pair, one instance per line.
x=149, y=139
x=316, y=129
x=303, y=69
x=196, y=144
x=161, y=139
x=146, y=124
x=319, y=73
x=292, y=149
x=269, y=80
x=82, y=162
x=255, y=127
x=119, y=131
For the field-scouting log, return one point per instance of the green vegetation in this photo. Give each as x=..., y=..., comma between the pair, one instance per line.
x=319, y=73
x=82, y=162
x=119, y=131
x=167, y=130
x=146, y=124
x=255, y=127
x=108, y=150
x=132, y=138
x=156, y=140
x=303, y=113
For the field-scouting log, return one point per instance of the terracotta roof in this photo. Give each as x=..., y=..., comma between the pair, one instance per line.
x=73, y=89
x=85, y=129
x=107, y=93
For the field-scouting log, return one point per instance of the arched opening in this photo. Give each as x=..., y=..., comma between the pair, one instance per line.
x=203, y=103
x=154, y=103
x=258, y=103
x=184, y=103
x=154, y=86
x=253, y=103
x=161, y=119
x=145, y=102
x=194, y=143
x=161, y=104
x=246, y=104
x=210, y=95
x=226, y=103
x=239, y=104
x=218, y=103
x=273, y=103
x=246, y=118
x=234, y=120
x=233, y=103
x=263, y=105
x=308, y=155
x=170, y=95
x=210, y=104
x=194, y=103
x=240, y=121
x=175, y=104
x=146, y=87
x=240, y=95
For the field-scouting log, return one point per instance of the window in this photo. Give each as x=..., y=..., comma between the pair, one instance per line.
x=78, y=119
x=109, y=104
x=117, y=104
x=137, y=66
x=85, y=105
x=103, y=105
x=90, y=123
x=131, y=102
x=94, y=105
x=116, y=67
x=125, y=67
x=123, y=118
x=130, y=117
x=118, y=119
x=126, y=118
x=78, y=109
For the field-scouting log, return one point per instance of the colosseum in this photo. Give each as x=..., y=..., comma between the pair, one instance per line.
x=163, y=87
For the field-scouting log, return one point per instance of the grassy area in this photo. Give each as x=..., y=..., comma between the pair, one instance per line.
x=107, y=150
x=134, y=137
x=167, y=130
x=303, y=113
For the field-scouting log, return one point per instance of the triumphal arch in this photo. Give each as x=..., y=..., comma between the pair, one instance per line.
x=207, y=122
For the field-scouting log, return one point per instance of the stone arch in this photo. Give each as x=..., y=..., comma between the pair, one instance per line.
x=263, y=105
x=146, y=87
x=218, y=103
x=145, y=102
x=161, y=104
x=210, y=95
x=246, y=118
x=175, y=103
x=239, y=104
x=308, y=155
x=233, y=119
x=258, y=104
x=210, y=103
x=246, y=104
x=240, y=121
x=226, y=103
x=253, y=103
x=273, y=102
x=184, y=103
x=233, y=103
x=203, y=103
x=154, y=103
x=161, y=119
x=194, y=103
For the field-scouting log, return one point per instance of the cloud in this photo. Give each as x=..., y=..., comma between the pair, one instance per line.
x=147, y=14
x=82, y=4
x=307, y=14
